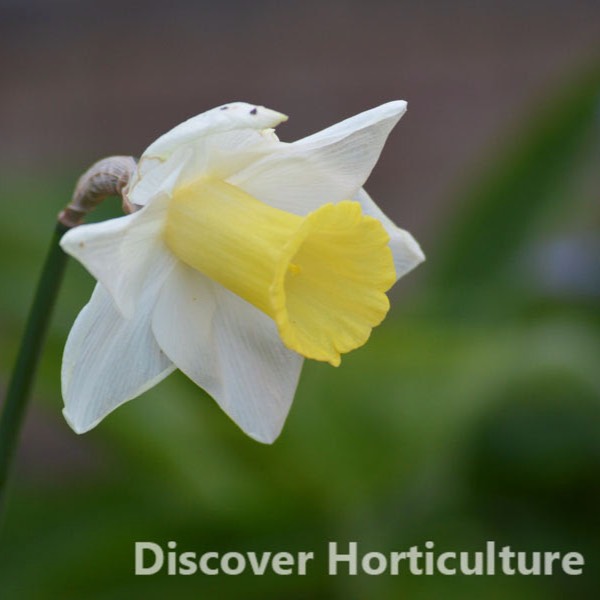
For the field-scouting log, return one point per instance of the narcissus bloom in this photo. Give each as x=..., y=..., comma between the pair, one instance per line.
x=247, y=255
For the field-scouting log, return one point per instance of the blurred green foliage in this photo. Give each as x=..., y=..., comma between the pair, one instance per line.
x=472, y=415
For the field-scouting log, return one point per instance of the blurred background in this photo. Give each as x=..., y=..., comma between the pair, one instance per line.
x=473, y=413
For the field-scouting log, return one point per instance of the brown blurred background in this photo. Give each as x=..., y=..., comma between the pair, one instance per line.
x=82, y=79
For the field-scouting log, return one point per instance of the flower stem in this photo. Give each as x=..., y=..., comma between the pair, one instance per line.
x=21, y=381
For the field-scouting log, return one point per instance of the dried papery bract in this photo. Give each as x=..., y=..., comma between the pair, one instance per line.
x=107, y=177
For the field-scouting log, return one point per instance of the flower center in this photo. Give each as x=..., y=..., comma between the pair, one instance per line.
x=322, y=278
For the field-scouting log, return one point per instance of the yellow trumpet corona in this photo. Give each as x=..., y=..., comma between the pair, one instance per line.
x=322, y=278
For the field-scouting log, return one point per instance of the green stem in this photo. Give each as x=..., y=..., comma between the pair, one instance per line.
x=23, y=373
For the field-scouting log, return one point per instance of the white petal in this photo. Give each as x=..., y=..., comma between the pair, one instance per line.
x=216, y=143
x=109, y=359
x=222, y=154
x=124, y=253
x=183, y=323
x=236, y=115
x=156, y=178
x=230, y=349
x=259, y=374
x=405, y=249
x=329, y=166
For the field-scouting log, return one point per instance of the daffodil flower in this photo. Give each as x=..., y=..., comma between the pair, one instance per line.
x=247, y=254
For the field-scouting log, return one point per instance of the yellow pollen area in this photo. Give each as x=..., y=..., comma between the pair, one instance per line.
x=322, y=278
